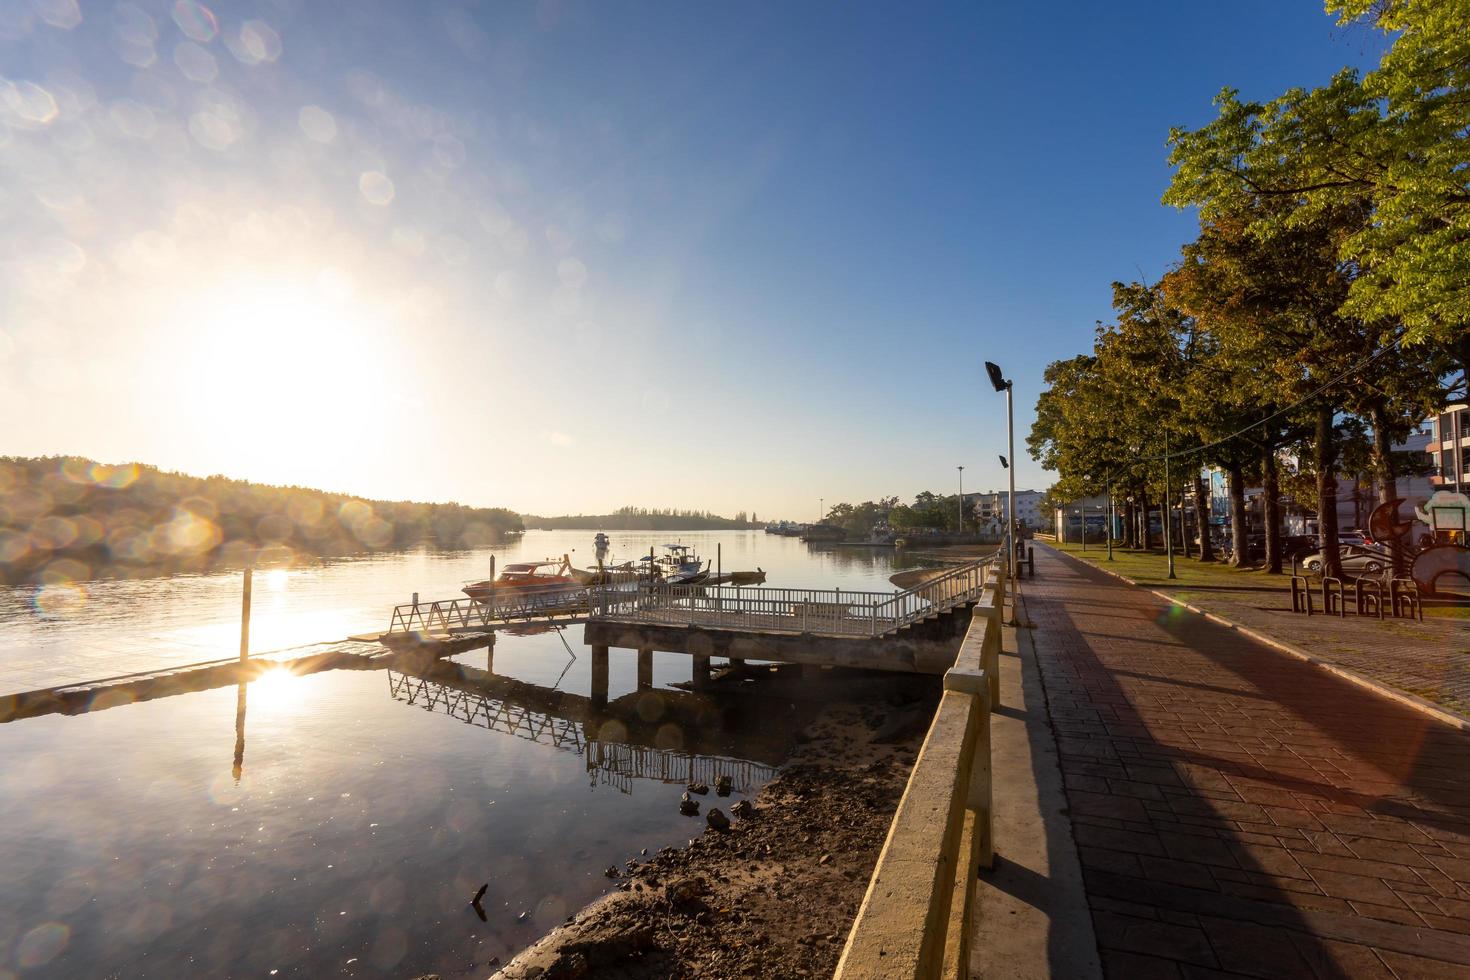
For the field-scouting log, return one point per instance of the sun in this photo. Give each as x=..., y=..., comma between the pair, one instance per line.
x=268, y=368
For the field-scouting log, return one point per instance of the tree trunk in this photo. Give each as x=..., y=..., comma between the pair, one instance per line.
x=1388, y=488
x=1239, y=543
x=1202, y=518
x=1325, y=459
x=1271, y=510
x=1130, y=529
x=1146, y=531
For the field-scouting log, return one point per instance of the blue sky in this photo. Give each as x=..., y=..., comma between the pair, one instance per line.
x=566, y=256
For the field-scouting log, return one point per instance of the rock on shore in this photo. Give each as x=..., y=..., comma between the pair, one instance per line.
x=772, y=896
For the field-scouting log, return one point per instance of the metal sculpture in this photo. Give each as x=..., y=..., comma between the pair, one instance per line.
x=1383, y=522
x=1448, y=514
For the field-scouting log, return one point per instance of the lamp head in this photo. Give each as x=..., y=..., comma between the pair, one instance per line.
x=997, y=380
x=1003, y=464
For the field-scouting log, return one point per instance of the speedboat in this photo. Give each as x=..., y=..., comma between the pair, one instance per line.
x=551, y=578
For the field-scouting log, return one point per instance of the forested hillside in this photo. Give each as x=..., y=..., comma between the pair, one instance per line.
x=66, y=517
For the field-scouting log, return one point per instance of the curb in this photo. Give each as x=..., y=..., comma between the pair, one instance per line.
x=1423, y=705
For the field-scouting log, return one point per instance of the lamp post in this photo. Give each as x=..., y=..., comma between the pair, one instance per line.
x=821, y=509
x=1109, y=488
x=1000, y=383
x=962, y=499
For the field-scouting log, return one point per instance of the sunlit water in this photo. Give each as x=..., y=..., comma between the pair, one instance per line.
x=367, y=807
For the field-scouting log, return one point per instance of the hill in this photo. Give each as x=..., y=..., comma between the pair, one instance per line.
x=646, y=519
x=69, y=518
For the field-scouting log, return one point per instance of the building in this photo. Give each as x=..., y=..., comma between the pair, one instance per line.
x=990, y=509
x=1071, y=517
x=1449, y=448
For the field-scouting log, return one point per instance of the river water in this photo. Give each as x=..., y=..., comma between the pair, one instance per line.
x=338, y=824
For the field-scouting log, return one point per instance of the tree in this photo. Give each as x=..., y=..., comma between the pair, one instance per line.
x=1412, y=158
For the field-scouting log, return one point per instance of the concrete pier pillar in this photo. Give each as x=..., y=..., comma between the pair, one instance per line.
x=645, y=668
x=599, y=676
x=737, y=661
x=701, y=671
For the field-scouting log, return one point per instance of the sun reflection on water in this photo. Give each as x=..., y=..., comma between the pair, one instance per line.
x=276, y=689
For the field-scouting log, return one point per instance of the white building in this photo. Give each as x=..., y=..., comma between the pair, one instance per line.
x=991, y=509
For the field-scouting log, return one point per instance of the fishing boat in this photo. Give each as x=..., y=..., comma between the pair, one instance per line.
x=682, y=566
x=601, y=542
x=550, y=579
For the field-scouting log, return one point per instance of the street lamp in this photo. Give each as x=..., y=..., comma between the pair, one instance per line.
x=962, y=499
x=1000, y=383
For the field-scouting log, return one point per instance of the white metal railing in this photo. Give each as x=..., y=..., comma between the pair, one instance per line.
x=823, y=611
x=836, y=612
x=919, y=911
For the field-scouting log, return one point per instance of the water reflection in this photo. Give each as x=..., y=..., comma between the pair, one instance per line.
x=238, y=765
x=669, y=736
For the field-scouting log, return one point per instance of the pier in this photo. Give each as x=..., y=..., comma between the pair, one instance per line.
x=912, y=630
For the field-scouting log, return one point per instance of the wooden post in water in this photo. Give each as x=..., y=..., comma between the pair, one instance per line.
x=490, y=655
x=719, y=562
x=599, y=676
x=492, y=585
x=245, y=616
x=645, y=667
x=700, y=671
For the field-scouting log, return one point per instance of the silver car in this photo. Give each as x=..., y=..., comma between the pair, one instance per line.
x=1356, y=560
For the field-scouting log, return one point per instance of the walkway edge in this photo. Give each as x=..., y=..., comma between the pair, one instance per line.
x=1032, y=919
x=1440, y=712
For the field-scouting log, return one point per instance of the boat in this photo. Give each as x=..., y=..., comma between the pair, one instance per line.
x=601, y=542
x=682, y=566
x=612, y=574
x=823, y=532
x=551, y=578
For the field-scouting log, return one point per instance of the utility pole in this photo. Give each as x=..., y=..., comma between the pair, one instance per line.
x=962, y=499
x=1168, y=507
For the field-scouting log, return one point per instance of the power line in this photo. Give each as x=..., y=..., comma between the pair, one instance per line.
x=1277, y=414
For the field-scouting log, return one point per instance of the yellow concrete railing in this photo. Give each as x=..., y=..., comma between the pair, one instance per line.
x=916, y=918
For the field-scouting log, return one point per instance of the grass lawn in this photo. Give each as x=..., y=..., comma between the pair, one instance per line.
x=1195, y=580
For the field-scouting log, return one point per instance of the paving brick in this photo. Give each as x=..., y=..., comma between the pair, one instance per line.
x=1407, y=967
x=1130, y=934
x=1258, y=951
x=1331, y=960
x=1134, y=966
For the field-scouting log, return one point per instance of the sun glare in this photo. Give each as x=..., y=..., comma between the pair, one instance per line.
x=270, y=365
x=276, y=689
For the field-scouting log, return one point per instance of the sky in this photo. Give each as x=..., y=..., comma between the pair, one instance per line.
x=567, y=256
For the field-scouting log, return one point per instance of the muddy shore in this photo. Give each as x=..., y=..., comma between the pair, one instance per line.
x=775, y=893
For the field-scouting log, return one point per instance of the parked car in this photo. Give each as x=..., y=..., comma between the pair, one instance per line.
x=1356, y=560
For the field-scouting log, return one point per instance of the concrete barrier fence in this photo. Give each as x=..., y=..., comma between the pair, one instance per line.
x=916, y=918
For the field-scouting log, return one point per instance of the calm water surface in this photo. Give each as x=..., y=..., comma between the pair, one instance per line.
x=337, y=824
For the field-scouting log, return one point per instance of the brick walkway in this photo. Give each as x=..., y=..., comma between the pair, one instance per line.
x=1242, y=813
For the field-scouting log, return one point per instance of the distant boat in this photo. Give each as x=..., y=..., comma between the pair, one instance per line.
x=823, y=532
x=550, y=578
x=601, y=541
